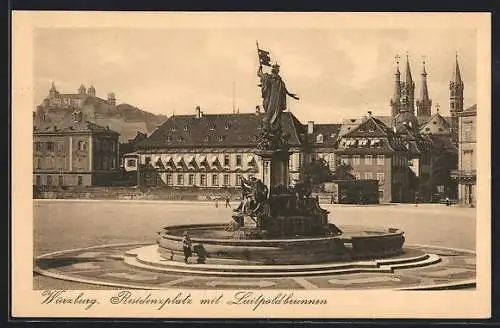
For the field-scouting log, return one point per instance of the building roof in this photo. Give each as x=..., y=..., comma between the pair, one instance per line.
x=436, y=125
x=389, y=120
x=329, y=132
x=469, y=111
x=218, y=130
x=74, y=127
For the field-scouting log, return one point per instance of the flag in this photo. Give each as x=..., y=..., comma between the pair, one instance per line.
x=264, y=58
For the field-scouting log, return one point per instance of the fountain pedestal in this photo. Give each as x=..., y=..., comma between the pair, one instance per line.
x=274, y=167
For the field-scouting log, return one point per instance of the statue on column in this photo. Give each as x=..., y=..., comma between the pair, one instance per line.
x=274, y=93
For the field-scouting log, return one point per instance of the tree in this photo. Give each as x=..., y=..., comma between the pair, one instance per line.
x=343, y=172
x=316, y=172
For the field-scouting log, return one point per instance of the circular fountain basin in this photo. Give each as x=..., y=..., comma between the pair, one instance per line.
x=213, y=244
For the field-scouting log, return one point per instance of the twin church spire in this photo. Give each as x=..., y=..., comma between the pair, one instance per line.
x=403, y=99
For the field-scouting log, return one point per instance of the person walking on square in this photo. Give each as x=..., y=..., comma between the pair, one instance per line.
x=227, y=202
x=186, y=246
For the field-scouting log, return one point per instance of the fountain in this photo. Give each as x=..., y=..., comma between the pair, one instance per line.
x=276, y=224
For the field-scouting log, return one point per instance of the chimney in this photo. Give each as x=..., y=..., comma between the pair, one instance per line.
x=369, y=113
x=310, y=127
x=198, y=112
x=257, y=110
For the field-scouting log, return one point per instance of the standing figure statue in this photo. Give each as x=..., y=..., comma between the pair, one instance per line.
x=274, y=94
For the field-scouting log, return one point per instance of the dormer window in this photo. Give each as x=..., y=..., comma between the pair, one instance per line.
x=179, y=139
x=206, y=138
x=185, y=127
x=169, y=138
x=319, y=138
x=226, y=126
x=220, y=138
x=174, y=127
x=212, y=127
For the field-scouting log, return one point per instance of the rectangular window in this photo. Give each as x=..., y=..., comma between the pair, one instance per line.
x=61, y=180
x=49, y=180
x=368, y=159
x=203, y=180
x=81, y=145
x=380, y=159
x=380, y=177
x=356, y=160
x=344, y=160
x=238, y=179
x=357, y=175
x=50, y=146
x=368, y=175
x=191, y=179
x=37, y=163
x=131, y=162
x=226, y=160
x=80, y=180
x=169, y=180
x=180, y=179
x=38, y=181
x=215, y=179
x=227, y=180
x=238, y=160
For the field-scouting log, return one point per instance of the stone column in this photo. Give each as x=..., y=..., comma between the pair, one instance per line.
x=70, y=167
x=274, y=167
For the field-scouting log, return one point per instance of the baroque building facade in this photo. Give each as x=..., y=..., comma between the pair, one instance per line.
x=74, y=153
x=210, y=150
x=465, y=175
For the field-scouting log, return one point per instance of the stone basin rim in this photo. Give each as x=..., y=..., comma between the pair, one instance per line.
x=385, y=232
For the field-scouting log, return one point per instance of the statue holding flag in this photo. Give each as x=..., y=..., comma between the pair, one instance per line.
x=273, y=88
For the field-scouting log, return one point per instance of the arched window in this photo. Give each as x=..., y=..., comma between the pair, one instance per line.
x=319, y=138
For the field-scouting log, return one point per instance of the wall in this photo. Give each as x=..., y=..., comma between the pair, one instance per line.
x=363, y=169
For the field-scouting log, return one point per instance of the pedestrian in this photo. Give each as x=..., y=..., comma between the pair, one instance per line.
x=216, y=202
x=227, y=202
x=416, y=199
x=448, y=203
x=332, y=200
x=186, y=246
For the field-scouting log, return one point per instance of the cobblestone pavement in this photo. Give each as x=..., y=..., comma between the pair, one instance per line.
x=104, y=266
x=63, y=225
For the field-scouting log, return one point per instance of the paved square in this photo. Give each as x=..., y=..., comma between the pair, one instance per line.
x=63, y=225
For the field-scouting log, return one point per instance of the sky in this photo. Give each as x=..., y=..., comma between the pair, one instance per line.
x=337, y=73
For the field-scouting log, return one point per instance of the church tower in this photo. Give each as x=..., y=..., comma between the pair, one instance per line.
x=396, y=98
x=53, y=93
x=456, y=96
x=424, y=103
x=408, y=90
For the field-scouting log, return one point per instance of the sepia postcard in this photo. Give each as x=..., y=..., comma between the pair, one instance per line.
x=251, y=165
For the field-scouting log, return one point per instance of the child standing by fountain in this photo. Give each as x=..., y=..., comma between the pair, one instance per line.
x=186, y=246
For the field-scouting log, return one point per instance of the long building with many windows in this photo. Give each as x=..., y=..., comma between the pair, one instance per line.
x=211, y=150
